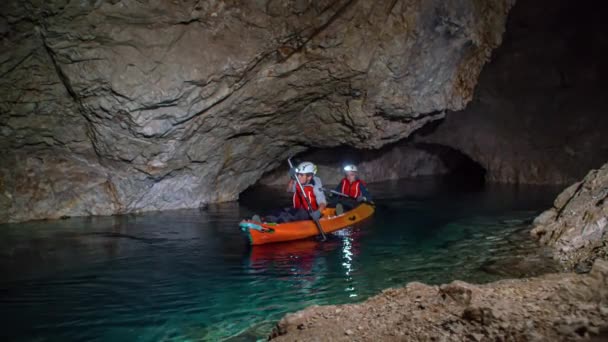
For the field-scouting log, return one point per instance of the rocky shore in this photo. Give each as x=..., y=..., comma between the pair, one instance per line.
x=575, y=227
x=552, y=307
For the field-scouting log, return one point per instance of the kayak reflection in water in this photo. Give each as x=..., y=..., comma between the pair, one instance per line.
x=312, y=186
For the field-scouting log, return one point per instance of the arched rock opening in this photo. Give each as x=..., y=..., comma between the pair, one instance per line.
x=397, y=161
x=205, y=99
x=462, y=169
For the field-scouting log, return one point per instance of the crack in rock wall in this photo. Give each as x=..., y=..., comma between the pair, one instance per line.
x=118, y=106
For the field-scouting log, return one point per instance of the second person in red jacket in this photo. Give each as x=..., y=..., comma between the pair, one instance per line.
x=352, y=186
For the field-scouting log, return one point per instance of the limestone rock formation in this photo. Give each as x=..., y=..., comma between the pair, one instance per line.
x=539, y=111
x=577, y=224
x=124, y=105
x=554, y=307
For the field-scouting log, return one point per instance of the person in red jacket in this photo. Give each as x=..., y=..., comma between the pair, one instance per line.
x=352, y=186
x=305, y=172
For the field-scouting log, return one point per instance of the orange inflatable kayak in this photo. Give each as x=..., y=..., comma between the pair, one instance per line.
x=262, y=233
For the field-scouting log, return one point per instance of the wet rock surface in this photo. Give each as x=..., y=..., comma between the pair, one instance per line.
x=176, y=104
x=577, y=224
x=555, y=307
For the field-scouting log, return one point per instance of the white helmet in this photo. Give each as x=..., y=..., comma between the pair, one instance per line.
x=306, y=167
x=350, y=168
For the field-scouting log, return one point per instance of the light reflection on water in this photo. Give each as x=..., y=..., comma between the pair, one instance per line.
x=188, y=275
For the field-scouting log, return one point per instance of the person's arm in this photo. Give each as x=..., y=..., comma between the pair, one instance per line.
x=365, y=192
x=318, y=182
x=338, y=187
x=321, y=200
x=291, y=186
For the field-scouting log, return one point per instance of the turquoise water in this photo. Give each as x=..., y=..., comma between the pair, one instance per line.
x=188, y=275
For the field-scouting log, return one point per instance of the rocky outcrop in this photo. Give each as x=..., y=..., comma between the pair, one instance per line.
x=555, y=307
x=539, y=110
x=576, y=226
x=119, y=106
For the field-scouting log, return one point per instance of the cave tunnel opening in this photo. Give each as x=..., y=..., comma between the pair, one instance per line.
x=462, y=169
x=402, y=160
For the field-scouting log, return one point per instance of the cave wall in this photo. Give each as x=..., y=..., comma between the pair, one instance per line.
x=539, y=113
x=118, y=106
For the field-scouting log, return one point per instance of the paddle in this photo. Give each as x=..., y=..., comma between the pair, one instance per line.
x=323, y=237
x=336, y=193
x=341, y=194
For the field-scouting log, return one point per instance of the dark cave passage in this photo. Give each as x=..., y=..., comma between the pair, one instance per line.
x=461, y=168
x=403, y=160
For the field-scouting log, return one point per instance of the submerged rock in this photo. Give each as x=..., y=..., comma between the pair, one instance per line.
x=577, y=224
x=534, y=309
x=122, y=106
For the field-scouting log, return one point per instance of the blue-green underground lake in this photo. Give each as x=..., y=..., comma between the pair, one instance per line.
x=189, y=275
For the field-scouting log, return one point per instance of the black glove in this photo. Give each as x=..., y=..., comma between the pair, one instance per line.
x=316, y=215
x=292, y=172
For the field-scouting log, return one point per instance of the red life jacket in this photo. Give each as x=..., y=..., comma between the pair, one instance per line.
x=299, y=202
x=351, y=189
